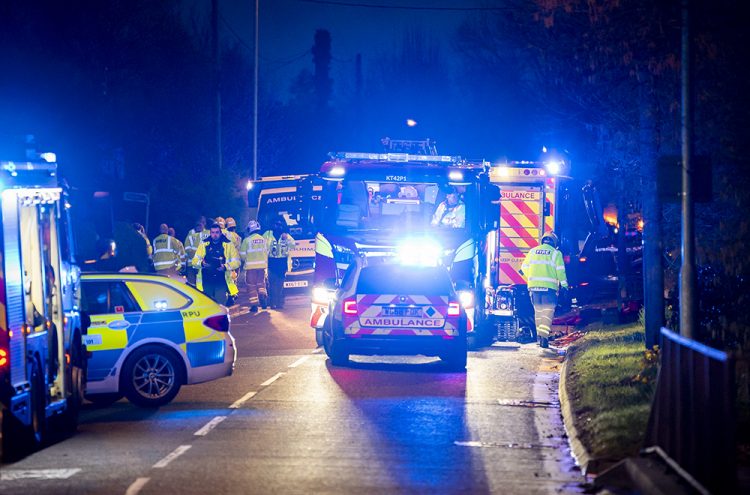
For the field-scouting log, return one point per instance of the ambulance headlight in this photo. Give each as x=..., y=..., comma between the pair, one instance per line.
x=321, y=295
x=466, y=298
x=420, y=252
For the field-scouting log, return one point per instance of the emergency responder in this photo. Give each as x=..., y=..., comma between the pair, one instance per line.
x=222, y=223
x=181, y=247
x=254, y=254
x=169, y=254
x=544, y=271
x=280, y=245
x=232, y=233
x=215, y=259
x=142, y=231
x=451, y=212
x=196, y=235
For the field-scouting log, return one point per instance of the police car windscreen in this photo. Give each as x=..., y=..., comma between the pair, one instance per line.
x=396, y=279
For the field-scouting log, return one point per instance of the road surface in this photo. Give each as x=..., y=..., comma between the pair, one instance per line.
x=289, y=422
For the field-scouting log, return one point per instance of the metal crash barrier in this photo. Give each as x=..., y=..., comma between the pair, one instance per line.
x=693, y=414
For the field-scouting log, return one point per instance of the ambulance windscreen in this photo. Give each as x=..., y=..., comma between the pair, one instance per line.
x=397, y=279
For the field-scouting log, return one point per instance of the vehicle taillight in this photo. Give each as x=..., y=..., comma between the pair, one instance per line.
x=3, y=357
x=454, y=309
x=350, y=307
x=220, y=323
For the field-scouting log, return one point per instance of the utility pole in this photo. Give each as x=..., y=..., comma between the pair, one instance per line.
x=216, y=77
x=256, y=59
x=687, y=269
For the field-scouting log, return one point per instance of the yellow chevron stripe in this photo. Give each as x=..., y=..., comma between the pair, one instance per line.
x=515, y=210
x=512, y=233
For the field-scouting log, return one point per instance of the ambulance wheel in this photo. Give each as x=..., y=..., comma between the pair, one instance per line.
x=152, y=376
x=456, y=358
x=334, y=350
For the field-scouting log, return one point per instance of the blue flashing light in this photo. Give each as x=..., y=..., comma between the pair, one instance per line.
x=423, y=251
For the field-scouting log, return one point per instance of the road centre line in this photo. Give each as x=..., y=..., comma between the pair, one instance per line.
x=272, y=379
x=37, y=474
x=209, y=426
x=243, y=399
x=299, y=361
x=136, y=486
x=172, y=456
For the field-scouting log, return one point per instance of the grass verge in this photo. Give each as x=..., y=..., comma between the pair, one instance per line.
x=611, y=381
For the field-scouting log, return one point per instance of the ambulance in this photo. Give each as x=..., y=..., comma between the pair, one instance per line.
x=277, y=198
x=529, y=207
x=401, y=304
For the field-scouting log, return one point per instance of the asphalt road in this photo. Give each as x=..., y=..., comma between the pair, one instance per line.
x=289, y=422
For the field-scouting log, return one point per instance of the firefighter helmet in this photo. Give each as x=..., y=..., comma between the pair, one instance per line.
x=231, y=223
x=253, y=226
x=220, y=221
x=551, y=239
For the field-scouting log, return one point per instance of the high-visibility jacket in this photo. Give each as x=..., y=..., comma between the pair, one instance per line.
x=149, y=249
x=543, y=267
x=280, y=248
x=235, y=238
x=254, y=252
x=168, y=253
x=192, y=240
x=232, y=262
x=181, y=249
x=450, y=216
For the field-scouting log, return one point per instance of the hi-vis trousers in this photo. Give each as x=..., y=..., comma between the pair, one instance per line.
x=544, y=302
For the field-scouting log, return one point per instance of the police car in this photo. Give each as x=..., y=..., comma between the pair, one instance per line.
x=149, y=335
x=386, y=306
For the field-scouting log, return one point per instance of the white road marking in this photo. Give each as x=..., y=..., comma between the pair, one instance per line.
x=172, y=456
x=272, y=379
x=318, y=350
x=243, y=399
x=136, y=486
x=37, y=474
x=299, y=361
x=469, y=444
x=209, y=426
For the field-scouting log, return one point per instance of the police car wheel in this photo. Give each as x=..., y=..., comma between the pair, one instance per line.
x=152, y=376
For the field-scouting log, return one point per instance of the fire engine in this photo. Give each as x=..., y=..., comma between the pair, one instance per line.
x=372, y=202
x=529, y=200
x=277, y=198
x=42, y=359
